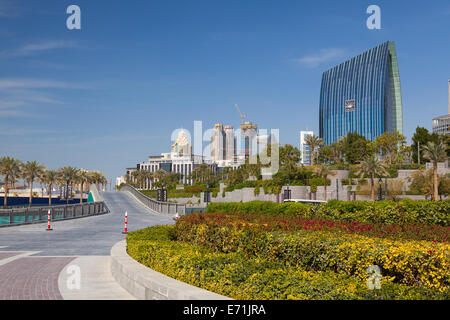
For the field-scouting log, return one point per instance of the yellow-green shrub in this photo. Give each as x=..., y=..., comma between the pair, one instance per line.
x=416, y=263
x=240, y=277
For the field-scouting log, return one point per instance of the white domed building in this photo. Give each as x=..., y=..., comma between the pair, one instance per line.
x=182, y=145
x=179, y=160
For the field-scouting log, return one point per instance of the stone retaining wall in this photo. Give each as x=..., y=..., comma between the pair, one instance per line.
x=147, y=284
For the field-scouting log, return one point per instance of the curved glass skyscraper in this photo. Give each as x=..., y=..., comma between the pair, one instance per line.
x=362, y=95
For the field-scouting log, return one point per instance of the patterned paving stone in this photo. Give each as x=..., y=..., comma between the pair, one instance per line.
x=5, y=255
x=32, y=278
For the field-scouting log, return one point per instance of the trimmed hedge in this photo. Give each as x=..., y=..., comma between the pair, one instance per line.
x=239, y=277
x=390, y=212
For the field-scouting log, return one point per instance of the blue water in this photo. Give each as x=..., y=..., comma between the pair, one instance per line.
x=37, y=202
x=23, y=201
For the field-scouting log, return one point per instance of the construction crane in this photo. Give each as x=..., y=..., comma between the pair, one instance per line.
x=242, y=115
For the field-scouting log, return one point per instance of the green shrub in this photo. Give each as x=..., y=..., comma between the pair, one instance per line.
x=349, y=182
x=172, y=193
x=245, y=184
x=317, y=181
x=388, y=211
x=257, y=190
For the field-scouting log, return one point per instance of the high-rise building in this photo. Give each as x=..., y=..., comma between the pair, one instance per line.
x=218, y=143
x=232, y=149
x=304, y=148
x=248, y=143
x=441, y=125
x=263, y=141
x=362, y=95
x=230, y=144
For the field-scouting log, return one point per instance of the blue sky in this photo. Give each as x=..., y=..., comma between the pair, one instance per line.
x=107, y=96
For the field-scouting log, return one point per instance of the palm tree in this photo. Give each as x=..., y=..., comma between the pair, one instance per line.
x=324, y=171
x=202, y=173
x=103, y=181
x=134, y=175
x=96, y=178
x=10, y=170
x=16, y=173
x=160, y=175
x=82, y=177
x=289, y=157
x=435, y=153
x=30, y=171
x=372, y=167
x=141, y=175
x=341, y=145
x=148, y=177
x=68, y=175
x=49, y=178
x=313, y=142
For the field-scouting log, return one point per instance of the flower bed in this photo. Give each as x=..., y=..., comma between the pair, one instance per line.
x=416, y=263
x=264, y=250
x=240, y=277
x=283, y=222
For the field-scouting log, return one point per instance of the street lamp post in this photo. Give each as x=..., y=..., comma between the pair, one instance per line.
x=385, y=189
x=380, y=195
x=288, y=193
x=337, y=189
x=207, y=197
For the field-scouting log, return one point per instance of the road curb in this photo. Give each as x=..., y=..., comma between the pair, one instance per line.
x=147, y=284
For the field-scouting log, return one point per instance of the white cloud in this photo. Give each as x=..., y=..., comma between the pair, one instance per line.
x=14, y=108
x=12, y=113
x=323, y=56
x=20, y=96
x=33, y=48
x=14, y=131
x=37, y=84
x=11, y=104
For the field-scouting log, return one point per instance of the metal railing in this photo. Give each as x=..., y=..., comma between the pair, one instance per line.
x=158, y=206
x=18, y=216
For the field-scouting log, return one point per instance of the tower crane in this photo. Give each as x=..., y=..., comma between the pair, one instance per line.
x=242, y=115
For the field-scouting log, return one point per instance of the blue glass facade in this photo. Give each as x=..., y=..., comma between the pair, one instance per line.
x=362, y=95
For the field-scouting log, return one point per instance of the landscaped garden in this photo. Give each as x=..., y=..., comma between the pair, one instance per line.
x=263, y=250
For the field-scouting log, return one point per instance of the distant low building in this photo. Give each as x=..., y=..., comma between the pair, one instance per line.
x=304, y=148
x=441, y=125
x=120, y=180
x=180, y=160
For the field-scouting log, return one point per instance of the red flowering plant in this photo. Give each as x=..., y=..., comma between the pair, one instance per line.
x=280, y=222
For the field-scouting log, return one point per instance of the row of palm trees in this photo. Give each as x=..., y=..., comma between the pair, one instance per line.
x=201, y=174
x=12, y=170
x=139, y=177
x=372, y=167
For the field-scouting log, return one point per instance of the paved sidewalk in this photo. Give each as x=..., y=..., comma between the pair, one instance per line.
x=34, y=263
x=96, y=281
